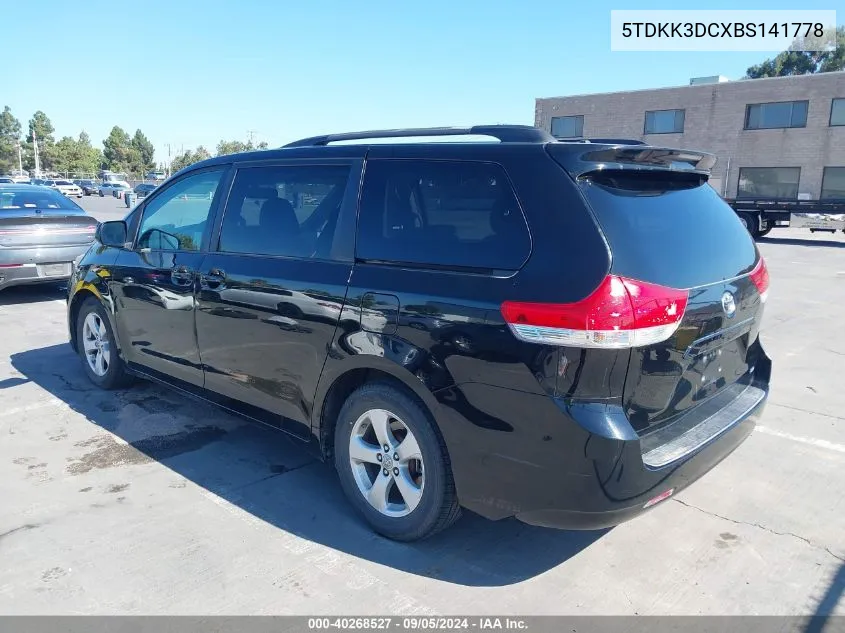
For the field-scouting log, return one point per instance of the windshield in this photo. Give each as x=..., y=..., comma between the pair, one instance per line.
x=35, y=199
x=63, y=182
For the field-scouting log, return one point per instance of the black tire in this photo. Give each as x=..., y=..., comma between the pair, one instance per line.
x=764, y=232
x=290, y=311
x=438, y=506
x=116, y=376
x=750, y=223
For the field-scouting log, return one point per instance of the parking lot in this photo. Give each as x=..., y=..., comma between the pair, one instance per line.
x=144, y=501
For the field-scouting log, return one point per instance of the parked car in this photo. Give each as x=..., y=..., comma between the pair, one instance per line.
x=89, y=187
x=41, y=234
x=156, y=175
x=67, y=188
x=144, y=189
x=6, y=180
x=547, y=346
x=116, y=189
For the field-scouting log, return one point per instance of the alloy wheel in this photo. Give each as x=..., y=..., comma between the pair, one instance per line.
x=95, y=342
x=387, y=463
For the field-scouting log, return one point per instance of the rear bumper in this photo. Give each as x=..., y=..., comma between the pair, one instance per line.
x=647, y=484
x=32, y=260
x=554, y=464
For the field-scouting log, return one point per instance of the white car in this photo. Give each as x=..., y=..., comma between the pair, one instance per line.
x=66, y=187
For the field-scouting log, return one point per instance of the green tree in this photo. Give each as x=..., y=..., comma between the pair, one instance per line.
x=232, y=147
x=145, y=150
x=41, y=128
x=89, y=158
x=189, y=158
x=10, y=136
x=792, y=62
x=119, y=154
x=76, y=156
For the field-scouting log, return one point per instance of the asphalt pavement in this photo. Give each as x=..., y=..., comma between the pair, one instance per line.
x=143, y=501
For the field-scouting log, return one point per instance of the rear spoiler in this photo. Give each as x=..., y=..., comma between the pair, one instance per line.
x=579, y=160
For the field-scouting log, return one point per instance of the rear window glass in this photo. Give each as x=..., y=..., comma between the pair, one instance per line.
x=452, y=214
x=35, y=199
x=669, y=229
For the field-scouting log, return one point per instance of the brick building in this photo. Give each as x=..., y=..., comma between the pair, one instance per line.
x=781, y=137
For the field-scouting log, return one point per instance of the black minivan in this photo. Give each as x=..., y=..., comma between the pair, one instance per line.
x=565, y=332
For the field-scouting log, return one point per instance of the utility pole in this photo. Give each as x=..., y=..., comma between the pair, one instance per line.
x=250, y=134
x=20, y=161
x=35, y=151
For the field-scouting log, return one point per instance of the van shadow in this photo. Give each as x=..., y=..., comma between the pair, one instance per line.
x=793, y=241
x=269, y=475
x=827, y=604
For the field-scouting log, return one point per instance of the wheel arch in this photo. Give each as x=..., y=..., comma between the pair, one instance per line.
x=80, y=295
x=76, y=302
x=346, y=376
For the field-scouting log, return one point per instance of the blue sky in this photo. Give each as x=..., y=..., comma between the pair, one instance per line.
x=209, y=69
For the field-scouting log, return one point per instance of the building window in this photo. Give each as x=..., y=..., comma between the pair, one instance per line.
x=768, y=182
x=837, y=112
x=664, y=121
x=568, y=126
x=833, y=183
x=762, y=116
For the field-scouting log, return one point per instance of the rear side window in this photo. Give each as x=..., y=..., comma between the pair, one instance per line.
x=289, y=211
x=445, y=214
x=669, y=228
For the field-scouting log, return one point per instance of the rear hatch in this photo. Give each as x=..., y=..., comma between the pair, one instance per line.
x=666, y=226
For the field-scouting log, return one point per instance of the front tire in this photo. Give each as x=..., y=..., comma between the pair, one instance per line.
x=393, y=465
x=97, y=349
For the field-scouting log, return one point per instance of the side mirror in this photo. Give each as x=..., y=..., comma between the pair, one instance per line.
x=112, y=233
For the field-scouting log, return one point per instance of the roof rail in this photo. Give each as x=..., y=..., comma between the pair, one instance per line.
x=505, y=134
x=604, y=141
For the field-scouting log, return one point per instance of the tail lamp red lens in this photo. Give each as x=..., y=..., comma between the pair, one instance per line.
x=760, y=277
x=620, y=313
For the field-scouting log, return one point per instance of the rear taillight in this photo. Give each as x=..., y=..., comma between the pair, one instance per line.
x=619, y=313
x=760, y=277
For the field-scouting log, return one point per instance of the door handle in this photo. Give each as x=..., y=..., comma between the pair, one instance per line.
x=181, y=276
x=214, y=278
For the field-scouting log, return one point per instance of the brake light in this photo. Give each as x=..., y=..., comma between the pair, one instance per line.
x=760, y=277
x=619, y=313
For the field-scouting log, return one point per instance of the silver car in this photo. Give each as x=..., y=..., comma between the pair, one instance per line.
x=41, y=234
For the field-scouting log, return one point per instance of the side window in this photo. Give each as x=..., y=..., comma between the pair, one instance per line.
x=287, y=211
x=442, y=213
x=176, y=218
